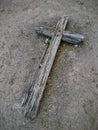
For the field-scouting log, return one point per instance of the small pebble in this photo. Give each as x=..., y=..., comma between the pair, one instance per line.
x=46, y=41
x=75, y=45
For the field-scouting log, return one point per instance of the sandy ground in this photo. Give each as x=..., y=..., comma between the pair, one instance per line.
x=70, y=101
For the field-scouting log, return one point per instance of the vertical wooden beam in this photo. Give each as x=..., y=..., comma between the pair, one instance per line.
x=46, y=65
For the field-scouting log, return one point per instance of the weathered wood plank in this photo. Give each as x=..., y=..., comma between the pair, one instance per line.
x=35, y=87
x=33, y=104
x=72, y=38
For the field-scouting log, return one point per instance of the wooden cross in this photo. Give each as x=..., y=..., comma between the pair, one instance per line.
x=33, y=97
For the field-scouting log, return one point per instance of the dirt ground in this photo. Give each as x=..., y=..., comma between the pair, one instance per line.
x=70, y=101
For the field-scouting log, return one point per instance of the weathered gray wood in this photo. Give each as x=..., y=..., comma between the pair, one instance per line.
x=28, y=105
x=26, y=96
x=34, y=101
x=72, y=38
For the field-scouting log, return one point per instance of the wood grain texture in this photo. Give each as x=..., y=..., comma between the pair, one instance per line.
x=35, y=97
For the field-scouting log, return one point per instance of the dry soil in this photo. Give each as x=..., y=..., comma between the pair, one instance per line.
x=70, y=101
